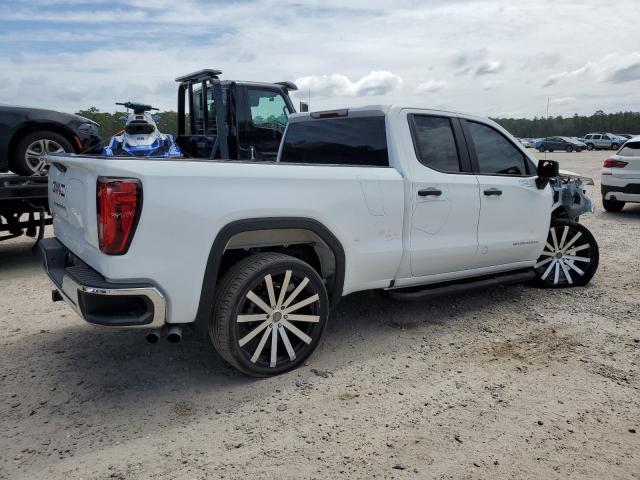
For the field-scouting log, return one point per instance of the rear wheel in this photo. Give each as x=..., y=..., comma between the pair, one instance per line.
x=615, y=146
x=270, y=313
x=612, y=205
x=569, y=149
x=29, y=157
x=570, y=256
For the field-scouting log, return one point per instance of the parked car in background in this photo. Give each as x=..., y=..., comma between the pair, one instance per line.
x=603, y=141
x=26, y=134
x=567, y=144
x=621, y=177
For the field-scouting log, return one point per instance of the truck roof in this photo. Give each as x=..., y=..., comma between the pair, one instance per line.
x=374, y=110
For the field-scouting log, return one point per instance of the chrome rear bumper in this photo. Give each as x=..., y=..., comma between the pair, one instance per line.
x=96, y=300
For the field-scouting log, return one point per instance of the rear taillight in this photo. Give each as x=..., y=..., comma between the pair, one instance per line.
x=611, y=163
x=119, y=201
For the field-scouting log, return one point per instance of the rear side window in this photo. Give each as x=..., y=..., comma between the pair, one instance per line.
x=360, y=141
x=630, y=149
x=435, y=143
x=496, y=155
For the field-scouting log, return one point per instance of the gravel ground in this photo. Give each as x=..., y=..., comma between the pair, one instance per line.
x=514, y=382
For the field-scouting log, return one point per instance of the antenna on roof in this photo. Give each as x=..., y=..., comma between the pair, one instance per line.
x=548, y=101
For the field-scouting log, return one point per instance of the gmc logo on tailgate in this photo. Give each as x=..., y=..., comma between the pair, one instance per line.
x=58, y=188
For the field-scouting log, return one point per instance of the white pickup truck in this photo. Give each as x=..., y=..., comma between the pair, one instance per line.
x=259, y=253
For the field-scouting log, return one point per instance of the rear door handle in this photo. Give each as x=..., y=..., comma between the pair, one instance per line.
x=493, y=191
x=430, y=192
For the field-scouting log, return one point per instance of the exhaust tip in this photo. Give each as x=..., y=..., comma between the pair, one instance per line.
x=153, y=336
x=175, y=334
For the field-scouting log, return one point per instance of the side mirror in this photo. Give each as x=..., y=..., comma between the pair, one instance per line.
x=304, y=107
x=547, y=169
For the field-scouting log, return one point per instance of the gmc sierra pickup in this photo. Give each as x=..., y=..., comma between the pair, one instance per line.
x=384, y=197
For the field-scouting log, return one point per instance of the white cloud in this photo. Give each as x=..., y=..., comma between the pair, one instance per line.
x=613, y=67
x=562, y=101
x=486, y=68
x=375, y=83
x=431, y=86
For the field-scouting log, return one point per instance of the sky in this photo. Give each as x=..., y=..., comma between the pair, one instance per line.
x=486, y=57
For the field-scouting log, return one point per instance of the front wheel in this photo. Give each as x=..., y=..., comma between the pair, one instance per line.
x=570, y=256
x=612, y=205
x=590, y=146
x=270, y=313
x=569, y=149
x=541, y=149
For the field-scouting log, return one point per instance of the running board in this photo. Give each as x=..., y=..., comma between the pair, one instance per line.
x=466, y=286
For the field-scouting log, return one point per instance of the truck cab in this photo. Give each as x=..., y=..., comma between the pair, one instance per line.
x=231, y=119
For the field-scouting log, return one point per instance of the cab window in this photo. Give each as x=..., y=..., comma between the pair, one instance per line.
x=268, y=109
x=495, y=153
x=435, y=143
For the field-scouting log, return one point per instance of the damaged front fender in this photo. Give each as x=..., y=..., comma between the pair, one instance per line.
x=569, y=194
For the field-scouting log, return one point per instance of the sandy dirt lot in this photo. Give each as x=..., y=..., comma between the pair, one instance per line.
x=516, y=382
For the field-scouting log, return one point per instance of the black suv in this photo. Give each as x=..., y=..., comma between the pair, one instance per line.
x=28, y=133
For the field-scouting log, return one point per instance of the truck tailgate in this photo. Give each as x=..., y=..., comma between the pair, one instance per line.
x=72, y=199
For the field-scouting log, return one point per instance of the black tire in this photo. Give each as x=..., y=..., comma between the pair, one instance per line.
x=569, y=149
x=541, y=149
x=551, y=150
x=615, y=146
x=614, y=206
x=583, y=255
x=590, y=146
x=250, y=275
x=578, y=149
x=23, y=161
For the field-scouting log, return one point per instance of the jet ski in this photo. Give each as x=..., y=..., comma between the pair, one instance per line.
x=141, y=137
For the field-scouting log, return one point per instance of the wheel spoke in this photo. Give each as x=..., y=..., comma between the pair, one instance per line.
x=272, y=296
x=573, y=250
x=247, y=338
x=572, y=241
x=283, y=288
x=565, y=270
x=274, y=347
x=577, y=269
x=543, y=262
x=303, y=303
x=297, y=332
x=252, y=318
x=577, y=259
x=548, y=270
x=554, y=238
x=564, y=236
x=260, y=346
x=287, y=343
x=296, y=292
x=304, y=318
x=547, y=254
x=556, y=275
x=258, y=302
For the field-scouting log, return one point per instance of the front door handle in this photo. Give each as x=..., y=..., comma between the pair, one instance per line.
x=430, y=192
x=493, y=192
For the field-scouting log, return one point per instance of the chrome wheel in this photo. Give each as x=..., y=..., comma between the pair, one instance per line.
x=570, y=255
x=270, y=312
x=34, y=155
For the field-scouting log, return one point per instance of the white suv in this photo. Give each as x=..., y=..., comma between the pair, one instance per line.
x=621, y=177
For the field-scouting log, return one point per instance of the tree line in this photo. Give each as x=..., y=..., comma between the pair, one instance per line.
x=575, y=126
